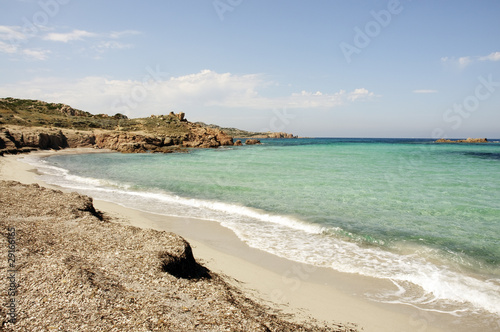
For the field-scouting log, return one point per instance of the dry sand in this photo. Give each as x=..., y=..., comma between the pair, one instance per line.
x=301, y=290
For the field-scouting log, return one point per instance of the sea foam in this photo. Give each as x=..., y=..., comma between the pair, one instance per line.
x=418, y=281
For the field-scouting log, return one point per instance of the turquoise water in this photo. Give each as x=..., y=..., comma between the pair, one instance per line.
x=424, y=215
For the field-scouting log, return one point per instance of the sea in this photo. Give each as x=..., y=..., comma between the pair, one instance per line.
x=424, y=215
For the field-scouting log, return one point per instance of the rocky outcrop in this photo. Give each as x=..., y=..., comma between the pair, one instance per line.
x=22, y=139
x=252, y=141
x=238, y=143
x=42, y=140
x=16, y=141
x=180, y=116
x=68, y=110
x=281, y=135
x=204, y=137
x=62, y=126
x=133, y=142
x=468, y=140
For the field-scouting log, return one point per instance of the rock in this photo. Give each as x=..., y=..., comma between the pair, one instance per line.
x=238, y=143
x=252, y=141
x=7, y=141
x=468, y=140
x=52, y=141
x=280, y=135
x=34, y=138
x=180, y=133
x=181, y=115
x=167, y=141
x=179, y=262
x=80, y=140
x=204, y=137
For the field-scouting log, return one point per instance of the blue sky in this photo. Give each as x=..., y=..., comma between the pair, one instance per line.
x=393, y=68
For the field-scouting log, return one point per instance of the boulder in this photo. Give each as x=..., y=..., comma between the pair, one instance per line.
x=252, y=141
x=181, y=116
x=179, y=262
x=238, y=143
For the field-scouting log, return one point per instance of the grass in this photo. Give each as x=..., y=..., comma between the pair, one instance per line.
x=35, y=113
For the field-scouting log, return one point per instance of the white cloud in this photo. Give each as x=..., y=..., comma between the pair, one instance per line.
x=36, y=54
x=8, y=48
x=82, y=34
x=495, y=56
x=120, y=34
x=11, y=33
x=16, y=50
x=158, y=94
x=360, y=94
x=69, y=36
x=464, y=61
x=14, y=41
x=425, y=91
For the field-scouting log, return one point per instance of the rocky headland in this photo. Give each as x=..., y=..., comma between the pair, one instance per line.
x=26, y=125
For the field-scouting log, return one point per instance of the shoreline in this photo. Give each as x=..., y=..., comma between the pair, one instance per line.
x=298, y=289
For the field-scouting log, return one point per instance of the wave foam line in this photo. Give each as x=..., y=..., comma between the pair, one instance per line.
x=295, y=240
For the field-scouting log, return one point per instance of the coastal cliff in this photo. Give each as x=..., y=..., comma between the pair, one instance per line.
x=26, y=125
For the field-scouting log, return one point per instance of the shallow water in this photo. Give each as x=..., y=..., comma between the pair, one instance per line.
x=424, y=215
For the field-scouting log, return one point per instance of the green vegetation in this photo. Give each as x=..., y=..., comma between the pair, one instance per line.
x=35, y=113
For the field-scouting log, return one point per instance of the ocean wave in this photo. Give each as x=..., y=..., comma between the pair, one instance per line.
x=419, y=282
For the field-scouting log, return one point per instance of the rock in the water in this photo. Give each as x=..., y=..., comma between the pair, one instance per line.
x=238, y=142
x=468, y=140
x=252, y=141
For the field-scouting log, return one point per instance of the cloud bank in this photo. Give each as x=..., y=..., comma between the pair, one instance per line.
x=157, y=93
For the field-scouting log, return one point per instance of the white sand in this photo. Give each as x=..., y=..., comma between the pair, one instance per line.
x=298, y=289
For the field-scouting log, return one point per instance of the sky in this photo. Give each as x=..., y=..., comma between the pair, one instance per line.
x=324, y=68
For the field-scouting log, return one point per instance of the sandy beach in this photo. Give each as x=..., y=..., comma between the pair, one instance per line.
x=301, y=291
